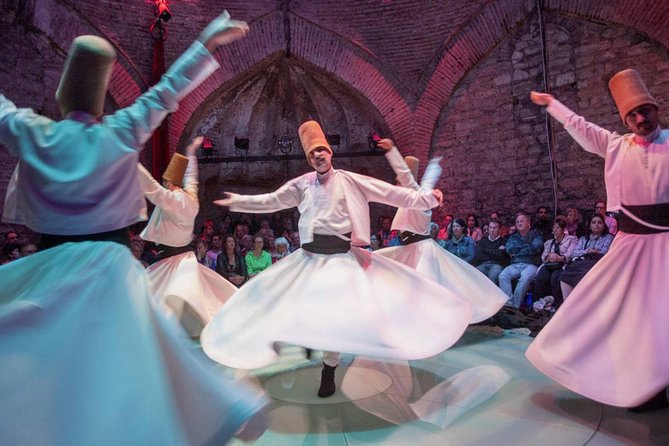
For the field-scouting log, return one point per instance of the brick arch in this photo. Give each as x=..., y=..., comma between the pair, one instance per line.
x=494, y=22
x=342, y=59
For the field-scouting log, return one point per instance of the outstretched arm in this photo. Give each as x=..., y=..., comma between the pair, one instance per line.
x=591, y=137
x=285, y=197
x=397, y=163
x=135, y=124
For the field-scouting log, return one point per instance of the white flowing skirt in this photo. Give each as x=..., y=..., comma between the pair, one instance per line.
x=184, y=287
x=609, y=341
x=355, y=302
x=85, y=358
x=453, y=273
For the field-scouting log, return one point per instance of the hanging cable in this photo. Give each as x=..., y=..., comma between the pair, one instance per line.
x=550, y=135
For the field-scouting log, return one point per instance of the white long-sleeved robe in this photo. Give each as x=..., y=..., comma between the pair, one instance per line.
x=86, y=357
x=430, y=259
x=608, y=341
x=354, y=302
x=180, y=284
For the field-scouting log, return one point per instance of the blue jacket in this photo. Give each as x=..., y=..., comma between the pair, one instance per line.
x=525, y=249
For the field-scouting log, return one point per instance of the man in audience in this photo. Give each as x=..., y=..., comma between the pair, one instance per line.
x=490, y=253
x=524, y=247
x=543, y=223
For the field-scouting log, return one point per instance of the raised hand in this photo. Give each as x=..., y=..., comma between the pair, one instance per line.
x=542, y=99
x=227, y=199
x=194, y=145
x=386, y=144
x=221, y=31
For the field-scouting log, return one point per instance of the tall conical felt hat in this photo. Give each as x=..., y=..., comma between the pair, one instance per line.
x=312, y=137
x=176, y=169
x=85, y=78
x=629, y=92
x=413, y=164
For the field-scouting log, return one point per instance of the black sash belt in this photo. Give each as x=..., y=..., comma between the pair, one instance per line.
x=121, y=236
x=171, y=251
x=408, y=237
x=656, y=214
x=327, y=244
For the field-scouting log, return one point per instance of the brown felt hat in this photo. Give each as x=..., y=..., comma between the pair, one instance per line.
x=176, y=169
x=312, y=137
x=629, y=92
x=88, y=68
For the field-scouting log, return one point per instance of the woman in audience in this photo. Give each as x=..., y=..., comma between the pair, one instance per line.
x=257, y=259
x=230, y=264
x=589, y=249
x=282, y=250
x=574, y=222
x=473, y=229
x=201, y=248
x=557, y=252
x=458, y=243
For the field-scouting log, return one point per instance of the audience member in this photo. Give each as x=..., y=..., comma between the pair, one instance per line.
x=589, y=249
x=524, y=247
x=610, y=221
x=257, y=259
x=490, y=253
x=282, y=249
x=214, y=251
x=231, y=264
x=445, y=226
x=557, y=252
x=543, y=223
x=574, y=222
x=473, y=230
x=458, y=243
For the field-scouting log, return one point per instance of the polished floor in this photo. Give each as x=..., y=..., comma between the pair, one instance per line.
x=480, y=392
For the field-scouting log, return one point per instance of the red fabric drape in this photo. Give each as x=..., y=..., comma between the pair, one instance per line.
x=159, y=140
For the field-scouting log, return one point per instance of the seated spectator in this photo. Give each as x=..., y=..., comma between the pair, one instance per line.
x=295, y=241
x=485, y=229
x=282, y=249
x=490, y=253
x=458, y=243
x=240, y=231
x=445, y=227
x=473, y=229
x=257, y=259
x=231, y=264
x=610, y=221
x=10, y=251
x=557, y=252
x=524, y=247
x=434, y=234
x=374, y=243
x=386, y=236
x=575, y=224
x=543, y=223
x=589, y=249
x=247, y=244
x=201, y=248
x=11, y=237
x=208, y=230
x=503, y=229
x=215, y=250
x=28, y=249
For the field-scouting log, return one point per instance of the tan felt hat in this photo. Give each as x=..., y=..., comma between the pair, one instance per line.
x=629, y=92
x=312, y=137
x=176, y=169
